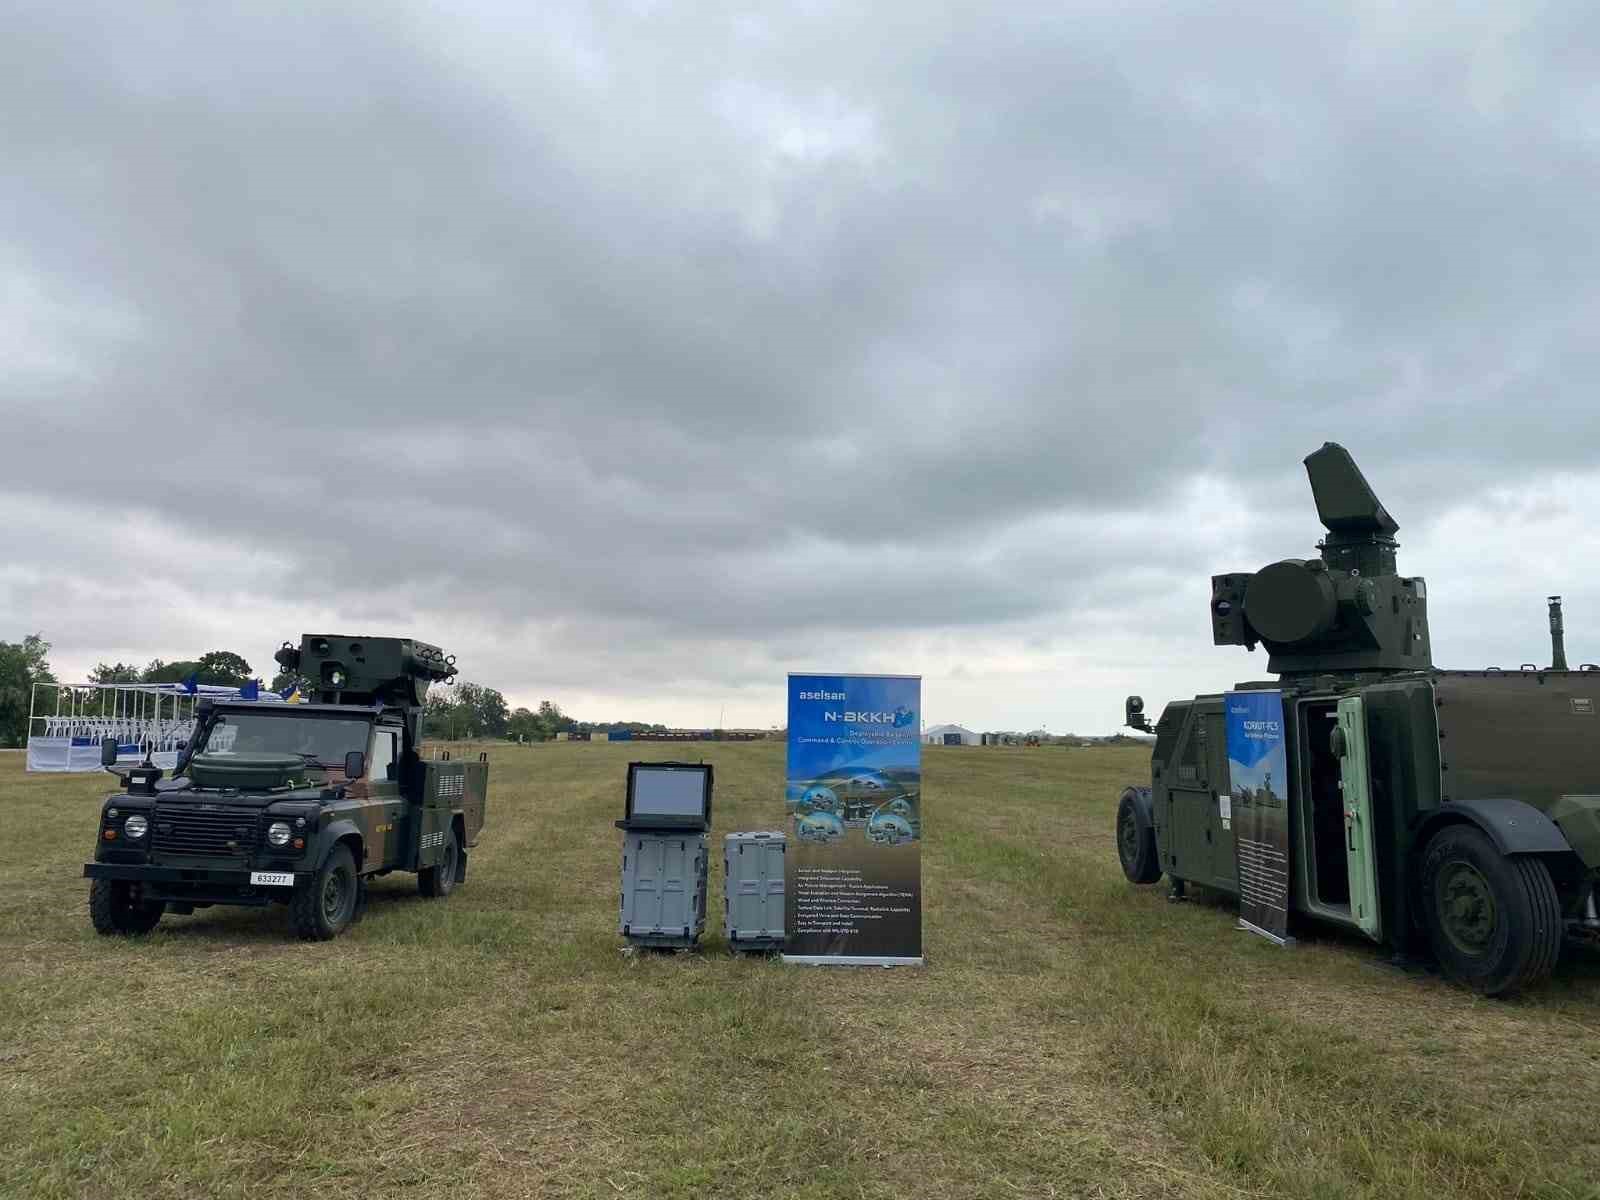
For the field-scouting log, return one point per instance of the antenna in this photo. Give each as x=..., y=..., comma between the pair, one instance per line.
x=1558, y=638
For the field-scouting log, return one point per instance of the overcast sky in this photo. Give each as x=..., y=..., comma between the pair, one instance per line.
x=640, y=354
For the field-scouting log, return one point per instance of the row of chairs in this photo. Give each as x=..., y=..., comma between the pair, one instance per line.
x=162, y=735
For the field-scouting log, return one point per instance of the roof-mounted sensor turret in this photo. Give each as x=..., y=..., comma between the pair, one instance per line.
x=1348, y=609
x=367, y=670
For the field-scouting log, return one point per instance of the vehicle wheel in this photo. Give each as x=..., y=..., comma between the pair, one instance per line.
x=1494, y=922
x=1136, y=837
x=117, y=906
x=324, y=907
x=440, y=881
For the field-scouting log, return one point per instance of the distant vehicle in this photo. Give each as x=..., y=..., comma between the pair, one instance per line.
x=1456, y=808
x=294, y=804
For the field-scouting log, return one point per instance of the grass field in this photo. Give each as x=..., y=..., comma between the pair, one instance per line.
x=1070, y=1036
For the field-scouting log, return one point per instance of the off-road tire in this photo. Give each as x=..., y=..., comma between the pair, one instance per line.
x=116, y=908
x=438, y=882
x=1136, y=837
x=326, y=906
x=1494, y=922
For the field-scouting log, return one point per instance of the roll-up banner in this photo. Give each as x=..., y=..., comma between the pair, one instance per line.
x=1258, y=782
x=853, y=872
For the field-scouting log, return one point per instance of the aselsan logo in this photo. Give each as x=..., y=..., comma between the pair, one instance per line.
x=822, y=695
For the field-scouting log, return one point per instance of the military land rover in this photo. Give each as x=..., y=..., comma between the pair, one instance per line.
x=294, y=803
x=1460, y=809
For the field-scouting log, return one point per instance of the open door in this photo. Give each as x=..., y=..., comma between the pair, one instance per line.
x=1350, y=743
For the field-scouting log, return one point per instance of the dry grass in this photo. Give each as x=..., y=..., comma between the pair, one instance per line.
x=1071, y=1035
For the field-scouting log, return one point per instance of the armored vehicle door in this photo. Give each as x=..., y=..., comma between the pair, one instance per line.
x=1201, y=850
x=385, y=807
x=1356, y=791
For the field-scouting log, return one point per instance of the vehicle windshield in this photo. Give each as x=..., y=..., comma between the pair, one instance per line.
x=322, y=740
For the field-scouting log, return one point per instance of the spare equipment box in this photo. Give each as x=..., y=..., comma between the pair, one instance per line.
x=663, y=888
x=664, y=853
x=752, y=895
x=449, y=786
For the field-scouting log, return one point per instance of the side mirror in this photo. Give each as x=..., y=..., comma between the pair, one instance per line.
x=108, y=752
x=355, y=764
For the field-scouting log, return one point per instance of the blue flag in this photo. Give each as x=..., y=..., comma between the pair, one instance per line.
x=191, y=682
x=251, y=690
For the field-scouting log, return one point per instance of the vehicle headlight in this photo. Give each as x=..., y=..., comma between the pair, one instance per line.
x=278, y=833
x=136, y=827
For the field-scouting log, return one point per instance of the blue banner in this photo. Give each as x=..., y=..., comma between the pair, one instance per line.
x=1258, y=784
x=853, y=799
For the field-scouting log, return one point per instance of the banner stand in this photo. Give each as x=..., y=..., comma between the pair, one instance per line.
x=853, y=798
x=1256, y=806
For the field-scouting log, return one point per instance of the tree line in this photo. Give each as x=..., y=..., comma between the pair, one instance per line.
x=467, y=710
x=221, y=667
x=470, y=710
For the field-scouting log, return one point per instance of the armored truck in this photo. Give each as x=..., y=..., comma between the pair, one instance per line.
x=298, y=804
x=1451, y=810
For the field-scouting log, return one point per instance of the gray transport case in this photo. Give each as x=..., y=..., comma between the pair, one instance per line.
x=663, y=887
x=752, y=890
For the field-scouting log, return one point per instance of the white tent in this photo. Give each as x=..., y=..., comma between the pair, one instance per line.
x=67, y=721
x=950, y=735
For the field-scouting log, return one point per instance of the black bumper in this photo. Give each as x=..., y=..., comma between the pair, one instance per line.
x=204, y=885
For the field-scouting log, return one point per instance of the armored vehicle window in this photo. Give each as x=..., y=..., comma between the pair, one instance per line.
x=319, y=740
x=382, y=755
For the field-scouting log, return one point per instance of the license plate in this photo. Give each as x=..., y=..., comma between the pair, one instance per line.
x=271, y=878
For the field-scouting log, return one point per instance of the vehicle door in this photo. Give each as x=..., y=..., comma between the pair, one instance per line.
x=1190, y=804
x=385, y=806
x=1355, y=789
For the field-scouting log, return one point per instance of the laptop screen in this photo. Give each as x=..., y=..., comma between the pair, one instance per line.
x=672, y=793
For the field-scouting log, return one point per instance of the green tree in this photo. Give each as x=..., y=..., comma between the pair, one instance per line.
x=524, y=726
x=222, y=667
x=22, y=664
x=440, y=717
x=552, y=720
x=484, y=709
x=287, y=679
x=116, y=673
x=468, y=710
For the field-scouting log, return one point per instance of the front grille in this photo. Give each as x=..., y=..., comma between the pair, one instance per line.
x=186, y=829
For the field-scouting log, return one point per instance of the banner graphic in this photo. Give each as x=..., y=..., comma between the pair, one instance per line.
x=853, y=799
x=1258, y=778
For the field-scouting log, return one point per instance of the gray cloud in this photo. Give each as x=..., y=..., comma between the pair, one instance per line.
x=644, y=354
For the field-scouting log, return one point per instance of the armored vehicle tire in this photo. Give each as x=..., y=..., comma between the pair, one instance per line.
x=1136, y=837
x=1494, y=922
x=116, y=907
x=440, y=881
x=325, y=907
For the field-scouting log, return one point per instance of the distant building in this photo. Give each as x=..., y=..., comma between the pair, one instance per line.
x=950, y=735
